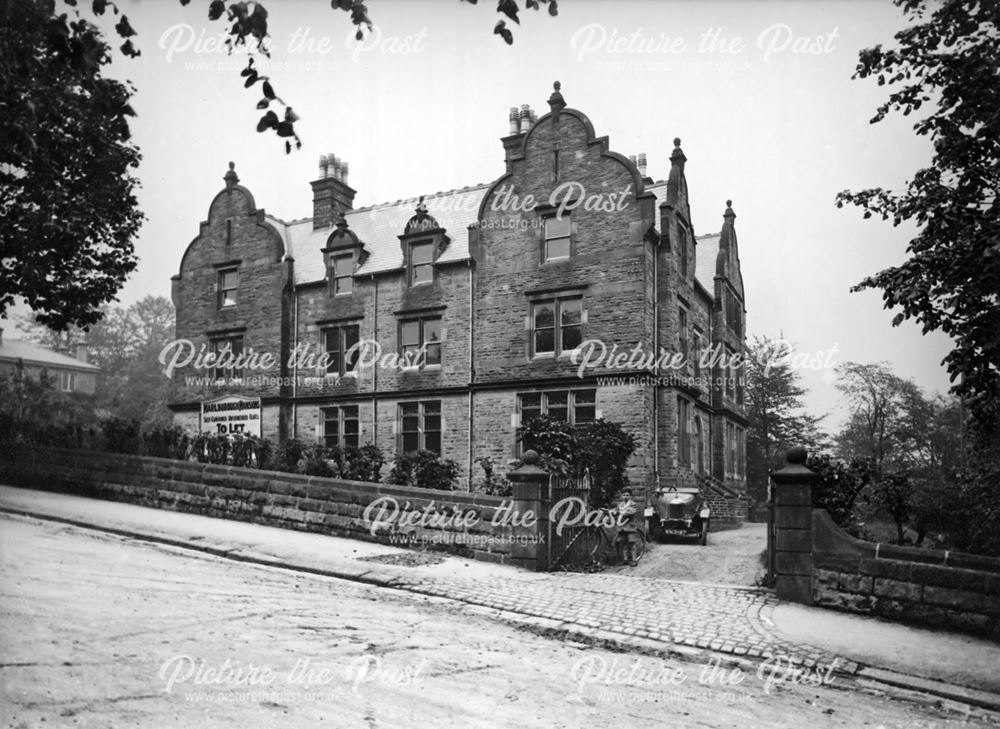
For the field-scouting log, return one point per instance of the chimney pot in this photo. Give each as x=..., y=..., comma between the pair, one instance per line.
x=642, y=164
x=81, y=352
x=344, y=169
x=515, y=120
x=525, y=118
x=322, y=166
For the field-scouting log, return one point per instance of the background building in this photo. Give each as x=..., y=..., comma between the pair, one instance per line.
x=495, y=286
x=66, y=373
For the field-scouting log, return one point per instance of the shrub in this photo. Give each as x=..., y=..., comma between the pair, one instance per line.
x=600, y=447
x=167, y=441
x=121, y=436
x=359, y=464
x=494, y=485
x=424, y=469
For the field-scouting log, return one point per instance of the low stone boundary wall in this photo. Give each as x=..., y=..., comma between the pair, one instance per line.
x=305, y=503
x=929, y=587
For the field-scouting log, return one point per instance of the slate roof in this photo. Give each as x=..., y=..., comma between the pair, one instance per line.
x=379, y=227
x=15, y=349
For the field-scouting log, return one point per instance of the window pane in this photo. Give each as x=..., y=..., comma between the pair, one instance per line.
x=352, y=335
x=333, y=353
x=432, y=330
x=409, y=339
x=433, y=354
x=544, y=341
x=571, y=337
x=544, y=316
x=571, y=310
x=557, y=227
x=410, y=442
x=584, y=409
x=558, y=248
x=530, y=406
x=432, y=442
x=422, y=253
x=409, y=333
x=557, y=405
x=421, y=257
x=424, y=273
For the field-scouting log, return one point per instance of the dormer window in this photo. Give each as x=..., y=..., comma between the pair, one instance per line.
x=342, y=273
x=421, y=263
x=557, y=237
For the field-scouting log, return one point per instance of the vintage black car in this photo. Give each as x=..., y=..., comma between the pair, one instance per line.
x=680, y=512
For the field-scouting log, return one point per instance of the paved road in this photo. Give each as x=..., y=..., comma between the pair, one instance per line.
x=99, y=630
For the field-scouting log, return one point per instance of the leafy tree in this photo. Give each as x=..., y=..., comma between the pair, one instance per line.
x=947, y=58
x=875, y=430
x=775, y=411
x=67, y=195
x=125, y=344
x=839, y=485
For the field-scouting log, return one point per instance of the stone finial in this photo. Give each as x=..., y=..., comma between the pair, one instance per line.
x=795, y=470
x=341, y=223
x=556, y=102
x=530, y=457
x=729, y=214
x=230, y=177
x=796, y=455
x=678, y=153
x=421, y=206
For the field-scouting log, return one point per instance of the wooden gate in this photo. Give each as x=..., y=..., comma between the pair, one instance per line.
x=573, y=546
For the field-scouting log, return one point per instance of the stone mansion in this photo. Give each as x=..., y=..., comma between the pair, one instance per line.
x=573, y=285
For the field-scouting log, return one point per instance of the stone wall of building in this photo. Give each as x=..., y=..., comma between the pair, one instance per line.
x=235, y=236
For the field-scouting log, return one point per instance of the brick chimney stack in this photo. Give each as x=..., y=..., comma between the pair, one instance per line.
x=81, y=353
x=332, y=197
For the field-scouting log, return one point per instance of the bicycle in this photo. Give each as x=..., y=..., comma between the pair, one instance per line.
x=602, y=542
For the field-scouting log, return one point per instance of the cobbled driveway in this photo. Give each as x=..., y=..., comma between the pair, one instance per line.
x=725, y=619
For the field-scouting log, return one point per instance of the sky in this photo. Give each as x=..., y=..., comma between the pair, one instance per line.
x=760, y=94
